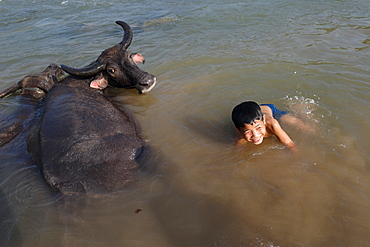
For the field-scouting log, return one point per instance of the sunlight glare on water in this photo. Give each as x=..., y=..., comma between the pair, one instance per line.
x=307, y=57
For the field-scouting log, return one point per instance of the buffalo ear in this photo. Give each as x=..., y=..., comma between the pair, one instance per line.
x=99, y=82
x=137, y=58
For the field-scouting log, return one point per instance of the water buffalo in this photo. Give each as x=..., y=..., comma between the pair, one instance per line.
x=82, y=143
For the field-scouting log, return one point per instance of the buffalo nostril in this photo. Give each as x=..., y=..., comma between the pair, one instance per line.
x=147, y=85
x=148, y=81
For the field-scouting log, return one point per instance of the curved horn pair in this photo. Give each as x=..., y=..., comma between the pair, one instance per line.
x=96, y=67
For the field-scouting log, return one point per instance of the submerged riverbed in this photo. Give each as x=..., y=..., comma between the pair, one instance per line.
x=308, y=57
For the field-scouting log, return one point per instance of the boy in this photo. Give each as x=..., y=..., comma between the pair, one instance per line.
x=255, y=122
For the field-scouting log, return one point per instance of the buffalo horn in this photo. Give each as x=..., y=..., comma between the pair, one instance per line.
x=127, y=37
x=90, y=70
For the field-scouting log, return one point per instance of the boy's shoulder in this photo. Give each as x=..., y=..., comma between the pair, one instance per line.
x=266, y=110
x=272, y=124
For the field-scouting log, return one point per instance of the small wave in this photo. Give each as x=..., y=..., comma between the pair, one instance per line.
x=165, y=19
x=301, y=105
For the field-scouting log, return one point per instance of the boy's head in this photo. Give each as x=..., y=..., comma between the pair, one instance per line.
x=248, y=120
x=246, y=113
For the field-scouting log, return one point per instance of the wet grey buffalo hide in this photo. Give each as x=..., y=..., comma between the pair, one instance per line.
x=83, y=143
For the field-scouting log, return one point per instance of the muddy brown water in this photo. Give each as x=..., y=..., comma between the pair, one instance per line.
x=310, y=58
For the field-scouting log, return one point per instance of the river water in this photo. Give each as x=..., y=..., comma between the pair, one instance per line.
x=308, y=57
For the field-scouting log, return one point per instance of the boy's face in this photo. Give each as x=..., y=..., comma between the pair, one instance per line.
x=254, y=132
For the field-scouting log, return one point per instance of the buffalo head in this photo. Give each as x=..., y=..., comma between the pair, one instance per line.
x=117, y=67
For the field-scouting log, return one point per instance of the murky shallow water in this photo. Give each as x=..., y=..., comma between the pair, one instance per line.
x=308, y=57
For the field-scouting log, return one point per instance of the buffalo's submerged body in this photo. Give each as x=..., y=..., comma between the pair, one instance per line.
x=82, y=143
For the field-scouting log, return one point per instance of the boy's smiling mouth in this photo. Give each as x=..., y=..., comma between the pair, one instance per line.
x=257, y=141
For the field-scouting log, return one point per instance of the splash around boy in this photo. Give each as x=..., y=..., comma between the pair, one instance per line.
x=255, y=122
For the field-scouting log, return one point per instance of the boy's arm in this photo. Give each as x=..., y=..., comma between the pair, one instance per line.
x=282, y=135
x=240, y=141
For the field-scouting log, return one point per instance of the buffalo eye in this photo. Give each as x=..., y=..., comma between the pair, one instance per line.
x=111, y=70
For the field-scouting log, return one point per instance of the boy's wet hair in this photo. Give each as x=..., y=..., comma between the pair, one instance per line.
x=246, y=113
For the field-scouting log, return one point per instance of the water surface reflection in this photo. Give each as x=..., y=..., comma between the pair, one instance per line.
x=200, y=190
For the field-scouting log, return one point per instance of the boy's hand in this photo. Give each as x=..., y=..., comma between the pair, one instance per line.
x=241, y=141
x=292, y=147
